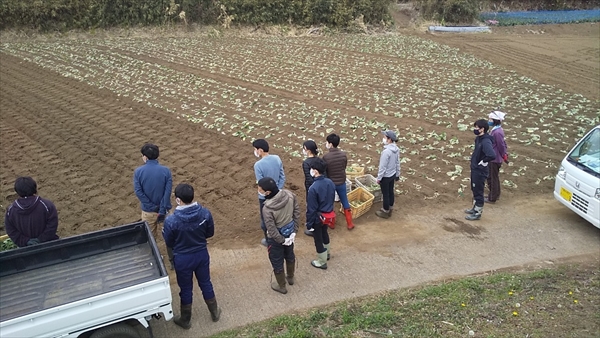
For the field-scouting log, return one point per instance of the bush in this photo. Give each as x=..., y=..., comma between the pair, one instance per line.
x=450, y=11
x=48, y=15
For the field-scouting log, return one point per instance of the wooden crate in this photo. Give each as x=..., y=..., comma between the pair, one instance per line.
x=360, y=194
x=365, y=182
x=356, y=172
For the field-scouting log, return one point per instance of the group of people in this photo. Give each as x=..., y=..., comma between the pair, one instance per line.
x=31, y=220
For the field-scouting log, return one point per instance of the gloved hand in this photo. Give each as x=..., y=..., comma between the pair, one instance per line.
x=33, y=241
x=309, y=227
x=505, y=158
x=290, y=240
x=482, y=163
x=160, y=218
x=397, y=178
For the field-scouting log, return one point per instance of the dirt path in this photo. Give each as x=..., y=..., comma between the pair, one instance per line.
x=413, y=247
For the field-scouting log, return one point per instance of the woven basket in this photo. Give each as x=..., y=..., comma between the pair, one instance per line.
x=365, y=182
x=362, y=195
x=356, y=172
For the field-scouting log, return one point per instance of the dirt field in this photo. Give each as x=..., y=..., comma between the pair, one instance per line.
x=75, y=113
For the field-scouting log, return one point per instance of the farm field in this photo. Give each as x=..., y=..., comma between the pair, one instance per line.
x=76, y=111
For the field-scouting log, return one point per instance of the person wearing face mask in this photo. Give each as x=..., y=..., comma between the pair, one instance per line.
x=483, y=153
x=389, y=171
x=319, y=212
x=309, y=150
x=337, y=161
x=499, y=145
x=282, y=216
x=267, y=166
x=186, y=231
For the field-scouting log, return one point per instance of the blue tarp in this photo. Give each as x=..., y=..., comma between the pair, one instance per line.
x=543, y=17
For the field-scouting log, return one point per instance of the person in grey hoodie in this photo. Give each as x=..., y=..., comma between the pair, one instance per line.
x=281, y=214
x=389, y=171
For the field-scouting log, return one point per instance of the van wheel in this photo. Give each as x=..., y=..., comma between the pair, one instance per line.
x=116, y=331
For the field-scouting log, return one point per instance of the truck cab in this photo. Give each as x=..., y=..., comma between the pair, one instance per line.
x=577, y=184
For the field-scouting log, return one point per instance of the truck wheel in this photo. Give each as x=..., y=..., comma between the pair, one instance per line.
x=116, y=331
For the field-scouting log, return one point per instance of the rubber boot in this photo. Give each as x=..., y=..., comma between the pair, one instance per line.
x=348, y=214
x=382, y=213
x=170, y=255
x=279, y=285
x=291, y=268
x=328, y=247
x=470, y=211
x=309, y=232
x=477, y=211
x=321, y=261
x=215, y=311
x=184, y=319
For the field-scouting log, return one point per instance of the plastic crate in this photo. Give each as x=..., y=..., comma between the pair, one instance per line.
x=362, y=195
x=356, y=172
x=365, y=182
x=348, y=189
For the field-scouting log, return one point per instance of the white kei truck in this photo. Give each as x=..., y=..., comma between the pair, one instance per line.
x=94, y=285
x=577, y=183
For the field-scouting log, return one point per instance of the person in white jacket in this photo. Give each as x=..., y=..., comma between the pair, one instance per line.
x=389, y=171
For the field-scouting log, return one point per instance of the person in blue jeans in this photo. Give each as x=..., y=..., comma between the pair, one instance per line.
x=267, y=166
x=185, y=232
x=337, y=161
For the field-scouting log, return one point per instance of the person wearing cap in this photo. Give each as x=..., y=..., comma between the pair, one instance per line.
x=499, y=144
x=281, y=214
x=267, y=166
x=483, y=153
x=389, y=171
x=337, y=161
x=319, y=211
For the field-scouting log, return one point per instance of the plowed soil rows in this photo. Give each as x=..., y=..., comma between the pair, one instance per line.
x=75, y=113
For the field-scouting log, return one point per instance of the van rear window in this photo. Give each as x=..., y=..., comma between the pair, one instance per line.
x=586, y=154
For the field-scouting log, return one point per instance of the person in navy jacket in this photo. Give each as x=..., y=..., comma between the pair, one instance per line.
x=185, y=232
x=319, y=211
x=483, y=153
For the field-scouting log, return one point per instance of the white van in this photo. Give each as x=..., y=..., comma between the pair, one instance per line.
x=578, y=180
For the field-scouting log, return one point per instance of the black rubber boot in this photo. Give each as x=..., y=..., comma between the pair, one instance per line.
x=215, y=311
x=291, y=268
x=279, y=285
x=184, y=319
x=470, y=211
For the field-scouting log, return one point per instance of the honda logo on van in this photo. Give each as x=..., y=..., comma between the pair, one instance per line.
x=577, y=185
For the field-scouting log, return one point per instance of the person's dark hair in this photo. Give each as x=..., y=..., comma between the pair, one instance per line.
x=185, y=193
x=482, y=124
x=497, y=122
x=25, y=186
x=267, y=184
x=319, y=165
x=311, y=146
x=261, y=144
x=334, y=140
x=150, y=151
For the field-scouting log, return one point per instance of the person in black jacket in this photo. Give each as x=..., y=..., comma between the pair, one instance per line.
x=185, y=231
x=30, y=220
x=309, y=150
x=319, y=211
x=482, y=155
